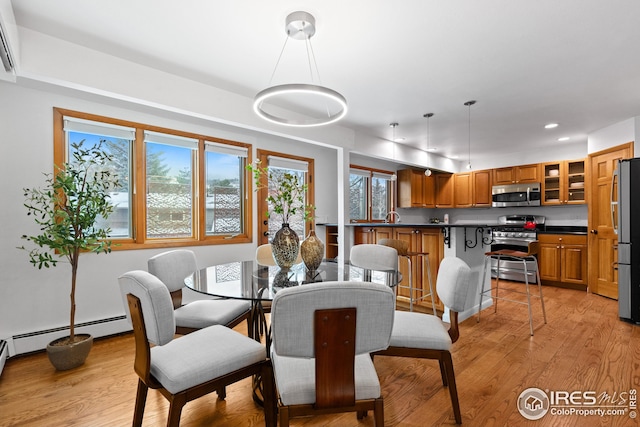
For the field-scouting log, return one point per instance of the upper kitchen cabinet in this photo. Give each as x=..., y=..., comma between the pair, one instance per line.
x=444, y=190
x=415, y=189
x=472, y=189
x=564, y=182
x=516, y=174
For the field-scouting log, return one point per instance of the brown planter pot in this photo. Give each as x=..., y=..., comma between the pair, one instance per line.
x=68, y=356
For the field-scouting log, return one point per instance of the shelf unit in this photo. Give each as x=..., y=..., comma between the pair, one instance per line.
x=331, y=239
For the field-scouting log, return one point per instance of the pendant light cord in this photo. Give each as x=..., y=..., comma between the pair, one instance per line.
x=469, y=104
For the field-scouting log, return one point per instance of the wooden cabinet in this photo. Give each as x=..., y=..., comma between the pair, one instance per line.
x=415, y=189
x=444, y=190
x=371, y=234
x=472, y=189
x=331, y=241
x=564, y=182
x=516, y=174
x=431, y=241
x=563, y=258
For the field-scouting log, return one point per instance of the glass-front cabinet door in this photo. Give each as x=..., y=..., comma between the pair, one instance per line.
x=564, y=182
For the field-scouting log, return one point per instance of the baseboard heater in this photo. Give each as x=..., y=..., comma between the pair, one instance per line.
x=4, y=353
x=38, y=340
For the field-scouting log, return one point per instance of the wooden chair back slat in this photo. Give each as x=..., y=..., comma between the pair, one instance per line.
x=335, y=350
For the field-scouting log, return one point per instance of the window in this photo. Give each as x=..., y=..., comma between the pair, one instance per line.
x=381, y=184
x=225, y=188
x=358, y=194
x=117, y=141
x=370, y=194
x=170, y=185
x=179, y=187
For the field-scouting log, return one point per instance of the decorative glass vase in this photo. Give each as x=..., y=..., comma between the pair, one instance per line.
x=285, y=247
x=312, y=251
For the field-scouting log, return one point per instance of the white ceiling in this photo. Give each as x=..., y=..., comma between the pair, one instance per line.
x=527, y=63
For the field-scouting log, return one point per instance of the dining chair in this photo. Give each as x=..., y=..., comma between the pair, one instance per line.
x=374, y=257
x=322, y=336
x=264, y=255
x=171, y=268
x=188, y=367
x=426, y=336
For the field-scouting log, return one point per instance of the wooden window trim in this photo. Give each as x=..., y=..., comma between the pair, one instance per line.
x=371, y=171
x=138, y=184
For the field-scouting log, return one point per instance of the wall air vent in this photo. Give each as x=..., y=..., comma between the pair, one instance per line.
x=5, y=54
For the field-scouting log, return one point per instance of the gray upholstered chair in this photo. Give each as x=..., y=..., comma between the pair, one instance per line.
x=264, y=255
x=190, y=366
x=171, y=268
x=374, y=257
x=322, y=336
x=427, y=336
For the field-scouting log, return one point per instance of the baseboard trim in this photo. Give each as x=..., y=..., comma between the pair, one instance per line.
x=38, y=340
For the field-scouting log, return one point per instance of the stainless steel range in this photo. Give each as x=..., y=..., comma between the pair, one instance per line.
x=515, y=232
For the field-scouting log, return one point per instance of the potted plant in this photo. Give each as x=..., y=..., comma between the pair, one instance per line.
x=286, y=198
x=68, y=210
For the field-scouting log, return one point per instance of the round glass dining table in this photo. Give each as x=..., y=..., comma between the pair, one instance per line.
x=255, y=282
x=259, y=284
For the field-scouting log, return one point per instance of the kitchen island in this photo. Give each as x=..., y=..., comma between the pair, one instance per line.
x=467, y=241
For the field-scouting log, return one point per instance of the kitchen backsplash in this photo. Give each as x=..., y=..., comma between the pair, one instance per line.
x=555, y=215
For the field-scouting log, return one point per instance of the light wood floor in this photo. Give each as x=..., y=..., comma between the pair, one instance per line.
x=584, y=347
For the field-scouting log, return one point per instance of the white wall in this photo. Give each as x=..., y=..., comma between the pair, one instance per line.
x=32, y=299
x=616, y=134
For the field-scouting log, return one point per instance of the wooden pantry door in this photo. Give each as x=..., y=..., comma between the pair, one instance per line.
x=603, y=277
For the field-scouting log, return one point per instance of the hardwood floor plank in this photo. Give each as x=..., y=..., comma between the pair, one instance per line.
x=583, y=347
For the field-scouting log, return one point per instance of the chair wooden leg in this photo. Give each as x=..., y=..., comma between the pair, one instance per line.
x=284, y=416
x=451, y=379
x=269, y=396
x=378, y=413
x=141, y=399
x=361, y=414
x=176, y=403
x=222, y=393
x=443, y=373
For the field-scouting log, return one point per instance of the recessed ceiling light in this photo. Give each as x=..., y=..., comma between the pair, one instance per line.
x=551, y=125
x=564, y=138
x=399, y=139
x=454, y=156
x=432, y=149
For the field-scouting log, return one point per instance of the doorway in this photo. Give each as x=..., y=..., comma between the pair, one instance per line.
x=603, y=241
x=302, y=167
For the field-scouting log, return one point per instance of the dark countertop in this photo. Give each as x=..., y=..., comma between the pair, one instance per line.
x=563, y=229
x=549, y=229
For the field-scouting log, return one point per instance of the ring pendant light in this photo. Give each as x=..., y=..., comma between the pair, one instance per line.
x=301, y=26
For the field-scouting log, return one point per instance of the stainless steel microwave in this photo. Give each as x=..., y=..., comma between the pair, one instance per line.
x=505, y=196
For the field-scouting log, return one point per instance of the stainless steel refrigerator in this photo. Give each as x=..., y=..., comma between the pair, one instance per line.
x=627, y=227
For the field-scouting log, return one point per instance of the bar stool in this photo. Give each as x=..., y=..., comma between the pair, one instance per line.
x=403, y=251
x=513, y=255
